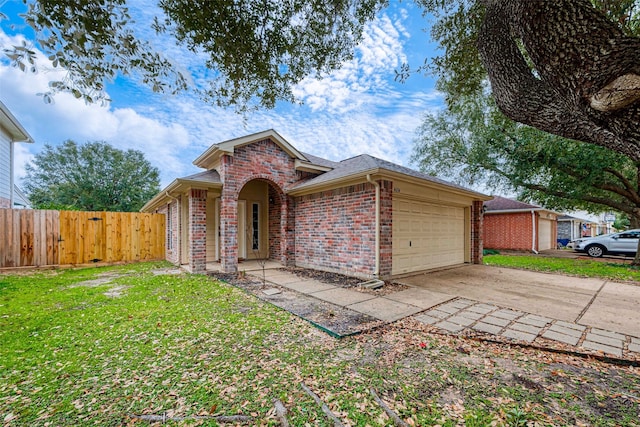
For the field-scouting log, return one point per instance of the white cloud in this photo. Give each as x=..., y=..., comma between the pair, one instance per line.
x=358, y=109
x=355, y=84
x=69, y=118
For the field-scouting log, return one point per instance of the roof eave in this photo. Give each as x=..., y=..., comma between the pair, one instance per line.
x=17, y=132
x=381, y=173
x=177, y=186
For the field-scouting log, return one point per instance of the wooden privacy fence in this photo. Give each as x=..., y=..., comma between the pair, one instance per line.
x=43, y=237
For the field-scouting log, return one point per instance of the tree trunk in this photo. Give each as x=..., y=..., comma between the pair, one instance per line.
x=579, y=58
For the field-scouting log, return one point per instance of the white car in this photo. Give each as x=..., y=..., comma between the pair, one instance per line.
x=624, y=243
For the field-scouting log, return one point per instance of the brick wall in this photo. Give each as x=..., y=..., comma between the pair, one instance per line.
x=335, y=230
x=386, y=227
x=275, y=232
x=508, y=231
x=477, y=232
x=262, y=160
x=197, y=230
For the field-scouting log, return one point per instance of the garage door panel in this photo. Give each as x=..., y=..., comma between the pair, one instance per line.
x=544, y=234
x=434, y=238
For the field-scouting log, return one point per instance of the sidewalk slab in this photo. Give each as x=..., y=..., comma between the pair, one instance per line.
x=342, y=297
x=461, y=320
x=450, y=327
x=613, y=342
x=471, y=314
x=385, y=309
x=429, y=320
x=602, y=347
x=533, y=320
x=568, y=329
x=557, y=336
x=508, y=314
x=616, y=308
x=485, y=327
x=495, y=320
x=523, y=327
x=420, y=297
x=519, y=335
x=308, y=286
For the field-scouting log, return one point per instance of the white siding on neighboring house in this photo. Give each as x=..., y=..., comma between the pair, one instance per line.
x=5, y=167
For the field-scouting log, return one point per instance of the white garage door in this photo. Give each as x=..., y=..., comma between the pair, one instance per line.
x=544, y=234
x=426, y=235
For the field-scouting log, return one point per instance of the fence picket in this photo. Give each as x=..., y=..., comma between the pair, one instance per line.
x=45, y=237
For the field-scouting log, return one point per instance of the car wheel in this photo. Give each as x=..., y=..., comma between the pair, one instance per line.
x=595, y=251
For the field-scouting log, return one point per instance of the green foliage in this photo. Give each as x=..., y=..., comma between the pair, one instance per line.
x=91, y=177
x=622, y=222
x=573, y=267
x=91, y=346
x=256, y=51
x=473, y=143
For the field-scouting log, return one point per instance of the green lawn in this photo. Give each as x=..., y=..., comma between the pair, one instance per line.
x=574, y=267
x=95, y=346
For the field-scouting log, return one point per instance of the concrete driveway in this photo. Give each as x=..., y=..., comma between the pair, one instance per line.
x=592, y=302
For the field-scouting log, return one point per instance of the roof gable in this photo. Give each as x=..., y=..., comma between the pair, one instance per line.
x=211, y=156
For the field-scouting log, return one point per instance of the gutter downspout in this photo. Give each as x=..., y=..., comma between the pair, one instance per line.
x=376, y=273
x=533, y=232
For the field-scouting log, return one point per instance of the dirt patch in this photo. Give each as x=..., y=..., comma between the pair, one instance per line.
x=93, y=283
x=116, y=291
x=338, y=321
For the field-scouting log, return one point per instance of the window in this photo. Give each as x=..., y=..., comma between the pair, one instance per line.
x=255, y=224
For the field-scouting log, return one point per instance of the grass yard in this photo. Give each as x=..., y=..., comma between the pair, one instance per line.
x=103, y=346
x=572, y=266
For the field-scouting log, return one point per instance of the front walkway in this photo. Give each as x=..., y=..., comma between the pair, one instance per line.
x=454, y=313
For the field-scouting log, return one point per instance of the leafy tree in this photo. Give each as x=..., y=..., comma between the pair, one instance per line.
x=92, y=177
x=472, y=142
x=257, y=50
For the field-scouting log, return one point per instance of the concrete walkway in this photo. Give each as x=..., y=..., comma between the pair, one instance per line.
x=526, y=306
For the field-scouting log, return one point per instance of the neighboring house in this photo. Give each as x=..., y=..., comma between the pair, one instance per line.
x=11, y=131
x=571, y=228
x=510, y=224
x=20, y=200
x=259, y=197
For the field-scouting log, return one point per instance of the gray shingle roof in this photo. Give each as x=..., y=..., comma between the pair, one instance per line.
x=503, y=204
x=363, y=163
x=211, y=176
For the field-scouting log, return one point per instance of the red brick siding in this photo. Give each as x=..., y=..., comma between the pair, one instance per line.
x=262, y=160
x=386, y=227
x=508, y=231
x=197, y=230
x=172, y=253
x=477, y=232
x=275, y=232
x=335, y=230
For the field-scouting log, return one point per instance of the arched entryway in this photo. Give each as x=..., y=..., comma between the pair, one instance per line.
x=262, y=216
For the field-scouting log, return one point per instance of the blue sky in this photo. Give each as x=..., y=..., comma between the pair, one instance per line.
x=357, y=109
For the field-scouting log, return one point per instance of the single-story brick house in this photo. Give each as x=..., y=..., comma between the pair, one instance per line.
x=259, y=197
x=514, y=225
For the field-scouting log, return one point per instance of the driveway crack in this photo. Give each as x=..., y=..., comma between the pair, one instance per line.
x=584, y=310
